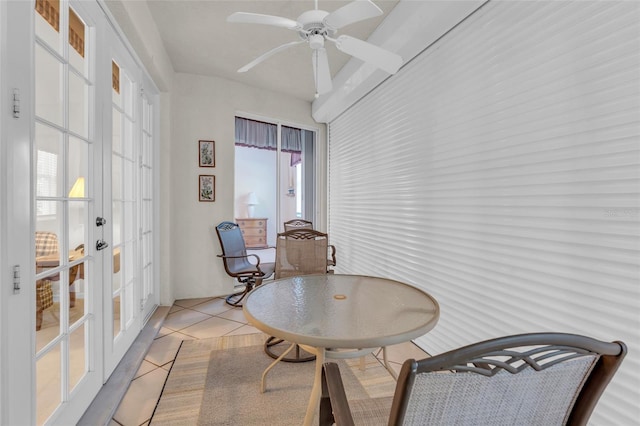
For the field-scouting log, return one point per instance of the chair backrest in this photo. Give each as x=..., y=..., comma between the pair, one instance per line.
x=232, y=244
x=46, y=243
x=297, y=224
x=301, y=252
x=538, y=378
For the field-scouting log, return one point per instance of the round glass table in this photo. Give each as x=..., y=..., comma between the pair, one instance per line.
x=339, y=316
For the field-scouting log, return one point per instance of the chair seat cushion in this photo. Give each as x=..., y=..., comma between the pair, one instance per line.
x=267, y=268
x=44, y=294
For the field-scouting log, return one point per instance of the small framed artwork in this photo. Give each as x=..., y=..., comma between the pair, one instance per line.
x=207, y=188
x=207, y=153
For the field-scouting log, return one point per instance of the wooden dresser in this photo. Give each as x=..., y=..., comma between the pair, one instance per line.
x=254, y=231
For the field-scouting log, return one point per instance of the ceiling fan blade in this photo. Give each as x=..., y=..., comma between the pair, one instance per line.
x=257, y=18
x=357, y=10
x=321, y=71
x=370, y=53
x=269, y=54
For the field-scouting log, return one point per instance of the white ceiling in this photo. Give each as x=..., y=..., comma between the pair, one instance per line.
x=198, y=40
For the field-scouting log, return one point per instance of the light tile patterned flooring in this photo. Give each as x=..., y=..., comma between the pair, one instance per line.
x=198, y=319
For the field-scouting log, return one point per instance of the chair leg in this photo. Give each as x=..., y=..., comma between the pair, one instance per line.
x=39, y=315
x=297, y=357
x=235, y=299
x=236, y=302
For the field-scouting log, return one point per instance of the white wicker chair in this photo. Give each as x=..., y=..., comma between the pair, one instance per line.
x=527, y=379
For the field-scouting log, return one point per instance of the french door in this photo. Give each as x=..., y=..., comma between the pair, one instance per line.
x=79, y=207
x=122, y=315
x=68, y=170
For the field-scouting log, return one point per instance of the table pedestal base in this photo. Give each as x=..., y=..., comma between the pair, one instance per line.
x=299, y=356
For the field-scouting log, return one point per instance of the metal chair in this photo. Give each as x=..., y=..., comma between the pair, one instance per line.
x=300, y=251
x=297, y=224
x=236, y=261
x=307, y=224
x=537, y=378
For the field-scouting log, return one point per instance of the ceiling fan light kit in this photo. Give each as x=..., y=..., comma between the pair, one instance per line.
x=316, y=26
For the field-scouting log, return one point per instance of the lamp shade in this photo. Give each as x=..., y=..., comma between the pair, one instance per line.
x=77, y=190
x=252, y=200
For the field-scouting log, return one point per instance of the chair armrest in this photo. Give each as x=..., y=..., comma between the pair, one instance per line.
x=257, y=264
x=333, y=255
x=263, y=248
x=334, y=406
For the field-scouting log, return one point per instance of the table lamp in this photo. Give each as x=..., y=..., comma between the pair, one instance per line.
x=77, y=190
x=252, y=201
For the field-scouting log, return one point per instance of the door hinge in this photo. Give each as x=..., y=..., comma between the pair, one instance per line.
x=16, y=103
x=16, y=279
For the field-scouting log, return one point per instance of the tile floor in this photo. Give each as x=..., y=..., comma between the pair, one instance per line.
x=197, y=319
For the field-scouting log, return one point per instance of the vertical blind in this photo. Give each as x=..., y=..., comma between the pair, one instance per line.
x=500, y=171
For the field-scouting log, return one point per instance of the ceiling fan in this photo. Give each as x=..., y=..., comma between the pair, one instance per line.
x=316, y=26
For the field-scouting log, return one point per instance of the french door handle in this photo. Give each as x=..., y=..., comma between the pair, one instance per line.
x=101, y=245
x=100, y=221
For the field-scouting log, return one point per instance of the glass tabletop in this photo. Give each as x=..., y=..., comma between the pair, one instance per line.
x=341, y=311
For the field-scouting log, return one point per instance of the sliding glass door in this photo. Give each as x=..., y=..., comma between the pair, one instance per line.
x=275, y=174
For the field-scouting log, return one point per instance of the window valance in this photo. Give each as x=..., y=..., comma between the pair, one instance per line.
x=261, y=135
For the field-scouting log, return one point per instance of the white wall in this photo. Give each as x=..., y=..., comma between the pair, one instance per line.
x=204, y=108
x=200, y=108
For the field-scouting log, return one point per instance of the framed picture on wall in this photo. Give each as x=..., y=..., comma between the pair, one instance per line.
x=207, y=153
x=207, y=188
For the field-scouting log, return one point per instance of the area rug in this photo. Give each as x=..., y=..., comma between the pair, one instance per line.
x=217, y=382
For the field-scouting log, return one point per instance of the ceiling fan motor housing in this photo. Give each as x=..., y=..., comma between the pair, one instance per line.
x=312, y=24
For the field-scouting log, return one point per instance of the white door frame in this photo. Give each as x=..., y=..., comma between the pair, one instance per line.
x=16, y=308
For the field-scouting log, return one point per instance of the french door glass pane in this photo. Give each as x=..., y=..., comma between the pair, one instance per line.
x=79, y=41
x=47, y=310
x=117, y=223
x=116, y=314
x=49, y=94
x=116, y=131
x=78, y=225
x=77, y=356
x=116, y=177
x=49, y=383
x=78, y=105
x=47, y=24
x=49, y=162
